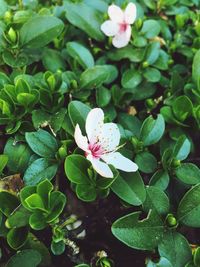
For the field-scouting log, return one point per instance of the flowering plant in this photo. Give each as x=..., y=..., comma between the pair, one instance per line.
x=100, y=120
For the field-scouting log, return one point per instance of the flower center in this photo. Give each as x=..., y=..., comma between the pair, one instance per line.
x=96, y=150
x=123, y=27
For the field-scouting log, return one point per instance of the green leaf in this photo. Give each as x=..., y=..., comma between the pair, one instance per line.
x=160, y=179
x=131, y=79
x=81, y=54
x=80, y=19
x=196, y=67
x=182, y=107
x=17, y=237
x=188, y=173
x=42, y=143
x=39, y=170
x=130, y=188
x=152, y=130
x=129, y=122
x=175, y=248
x=94, y=77
x=189, y=207
x=39, y=31
x=3, y=162
x=35, y=202
x=152, y=53
x=18, y=156
x=86, y=192
x=156, y=200
x=44, y=189
x=146, y=162
x=151, y=28
x=197, y=257
x=29, y=257
x=58, y=247
x=53, y=60
x=76, y=167
x=103, y=96
x=128, y=52
x=182, y=148
x=78, y=113
x=152, y=75
x=8, y=203
x=139, y=234
x=57, y=201
x=37, y=221
x=18, y=218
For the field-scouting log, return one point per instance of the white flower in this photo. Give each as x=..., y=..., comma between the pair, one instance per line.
x=119, y=24
x=101, y=144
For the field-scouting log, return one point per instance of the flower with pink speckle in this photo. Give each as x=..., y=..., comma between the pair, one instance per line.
x=119, y=24
x=101, y=144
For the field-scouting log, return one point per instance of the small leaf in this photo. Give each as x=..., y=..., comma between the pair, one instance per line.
x=156, y=200
x=188, y=173
x=130, y=188
x=151, y=28
x=17, y=237
x=131, y=79
x=18, y=155
x=39, y=170
x=81, y=54
x=152, y=130
x=146, y=162
x=189, y=207
x=139, y=234
x=175, y=248
x=29, y=257
x=38, y=31
x=76, y=167
x=42, y=143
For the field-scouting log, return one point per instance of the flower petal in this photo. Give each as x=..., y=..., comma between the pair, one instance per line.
x=130, y=13
x=120, y=162
x=110, y=28
x=109, y=137
x=94, y=124
x=81, y=140
x=100, y=167
x=116, y=14
x=121, y=39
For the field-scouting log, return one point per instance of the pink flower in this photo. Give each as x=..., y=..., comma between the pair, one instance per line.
x=119, y=24
x=101, y=144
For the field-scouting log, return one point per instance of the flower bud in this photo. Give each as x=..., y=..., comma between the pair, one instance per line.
x=171, y=220
x=197, y=28
x=12, y=35
x=145, y=64
x=150, y=103
x=90, y=173
x=8, y=16
x=73, y=84
x=175, y=163
x=138, y=24
x=62, y=152
x=51, y=82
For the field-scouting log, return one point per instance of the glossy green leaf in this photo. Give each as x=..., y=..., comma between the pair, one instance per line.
x=152, y=130
x=175, y=248
x=80, y=53
x=42, y=143
x=76, y=167
x=139, y=234
x=189, y=207
x=29, y=257
x=38, y=31
x=39, y=170
x=130, y=188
